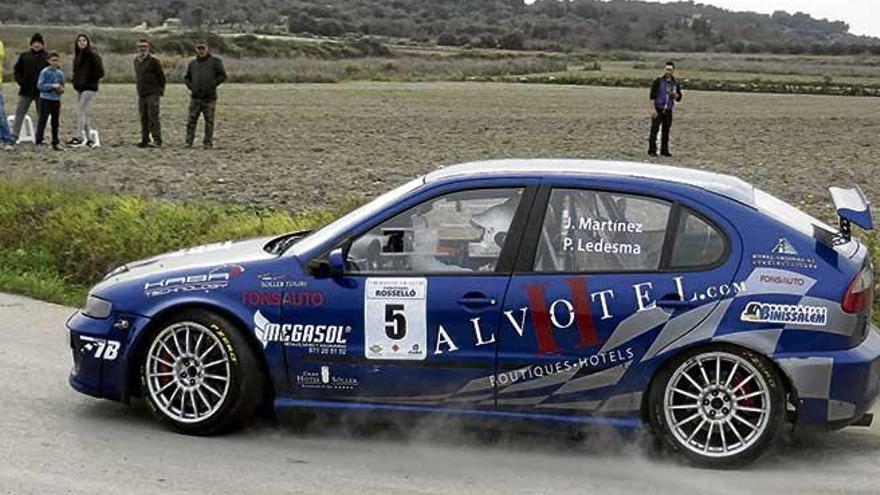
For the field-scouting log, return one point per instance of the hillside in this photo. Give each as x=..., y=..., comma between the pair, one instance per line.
x=512, y=24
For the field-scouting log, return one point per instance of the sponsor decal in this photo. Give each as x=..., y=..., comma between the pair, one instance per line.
x=291, y=298
x=395, y=322
x=218, y=278
x=325, y=379
x=791, y=280
x=99, y=348
x=578, y=313
x=317, y=339
x=758, y=312
x=783, y=247
x=783, y=255
x=278, y=281
x=599, y=360
x=713, y=291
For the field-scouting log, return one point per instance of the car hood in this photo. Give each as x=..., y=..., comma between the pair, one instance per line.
x=207, y=256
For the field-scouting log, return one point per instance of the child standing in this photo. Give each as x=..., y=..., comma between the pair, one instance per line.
x=51, y=86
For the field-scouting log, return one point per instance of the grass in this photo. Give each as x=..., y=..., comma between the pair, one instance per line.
x=57, y=242
x=313, y=70
x=720, y=75
x=288, y=59
x=309, y=147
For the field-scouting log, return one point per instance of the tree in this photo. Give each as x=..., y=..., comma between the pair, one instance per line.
x=330, y=27
x=195, y=18
x=512, y=41
x=301, y=23
x=450, y=39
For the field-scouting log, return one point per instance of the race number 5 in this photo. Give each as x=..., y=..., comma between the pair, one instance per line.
x=395, y=318
x=395, y=321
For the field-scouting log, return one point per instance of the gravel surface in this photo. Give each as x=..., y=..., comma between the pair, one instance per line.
x=307, y=146
x=57, y=441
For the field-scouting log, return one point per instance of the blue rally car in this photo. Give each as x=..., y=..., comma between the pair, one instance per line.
x=569, y=291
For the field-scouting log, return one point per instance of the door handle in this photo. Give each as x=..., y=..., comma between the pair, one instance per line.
x=476, y=301
x=673, y=302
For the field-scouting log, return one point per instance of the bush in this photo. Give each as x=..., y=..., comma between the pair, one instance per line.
x=450, y=39
x=512, y=41
x=302, y=23
x=486, y=41
x=330, y=28
x=59, y=241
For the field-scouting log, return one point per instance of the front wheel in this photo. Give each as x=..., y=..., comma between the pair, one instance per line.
x=719, y=406
x=199, y=375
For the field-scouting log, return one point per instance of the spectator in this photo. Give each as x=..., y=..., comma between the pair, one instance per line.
x=87, y=71
x=665, y=92
x=5, y=136
x=51, y=86
x=150, y=79
x=27, y=71
x=203, y=75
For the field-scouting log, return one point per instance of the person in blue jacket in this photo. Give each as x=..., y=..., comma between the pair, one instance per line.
x=665, y=93
x=51, y=86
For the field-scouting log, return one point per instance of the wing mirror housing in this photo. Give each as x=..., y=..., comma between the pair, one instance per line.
x=336, y=263
x=333, y=266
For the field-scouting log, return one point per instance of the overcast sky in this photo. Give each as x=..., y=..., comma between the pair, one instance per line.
x=861, y=15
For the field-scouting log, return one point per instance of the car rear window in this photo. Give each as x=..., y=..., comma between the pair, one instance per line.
x=697, y=243
x=594, y=231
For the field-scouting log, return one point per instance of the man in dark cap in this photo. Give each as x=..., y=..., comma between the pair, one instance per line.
x=27, y=71
x=150, y=78
x=203, y=74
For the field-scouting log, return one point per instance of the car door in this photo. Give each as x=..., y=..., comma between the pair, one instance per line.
x=609, y=275
x=414, y=316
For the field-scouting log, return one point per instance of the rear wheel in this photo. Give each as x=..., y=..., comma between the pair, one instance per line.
x=718, y=406
x=199, y=375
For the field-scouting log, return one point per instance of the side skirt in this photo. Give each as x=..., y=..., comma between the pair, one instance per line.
x=631, y=423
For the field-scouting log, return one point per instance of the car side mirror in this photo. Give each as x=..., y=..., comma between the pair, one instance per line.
x=336, y=263
x=333, y=266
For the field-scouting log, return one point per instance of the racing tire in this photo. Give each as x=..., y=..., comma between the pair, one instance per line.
x=719, y=406
x=199, y=375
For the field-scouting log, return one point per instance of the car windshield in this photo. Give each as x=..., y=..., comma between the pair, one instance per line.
x=333, y=229
x=788, y=214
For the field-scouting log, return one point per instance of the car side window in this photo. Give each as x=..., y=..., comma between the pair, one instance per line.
x=697, y=242
x=459, y=232
x=594, y=231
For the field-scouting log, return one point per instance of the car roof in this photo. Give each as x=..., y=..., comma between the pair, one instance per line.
x=724, y=185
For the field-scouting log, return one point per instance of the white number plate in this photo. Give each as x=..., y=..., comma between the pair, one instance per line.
x=395, y=320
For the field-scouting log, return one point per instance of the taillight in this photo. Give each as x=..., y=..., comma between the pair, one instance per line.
x=860, y=293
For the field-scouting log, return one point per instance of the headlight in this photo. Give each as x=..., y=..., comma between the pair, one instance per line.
x=96, y=307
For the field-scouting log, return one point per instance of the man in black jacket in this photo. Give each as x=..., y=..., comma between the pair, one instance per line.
x=88, y=69
x=665, y=93
x=203, y=75
x=150, y=79
x=27, y=71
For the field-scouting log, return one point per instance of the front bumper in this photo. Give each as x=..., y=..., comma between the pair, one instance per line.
x=101, y=354
x=834, y=389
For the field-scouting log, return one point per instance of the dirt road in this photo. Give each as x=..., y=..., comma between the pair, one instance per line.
x=57, y=441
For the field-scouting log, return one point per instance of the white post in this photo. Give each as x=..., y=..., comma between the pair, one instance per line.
x=27, y=134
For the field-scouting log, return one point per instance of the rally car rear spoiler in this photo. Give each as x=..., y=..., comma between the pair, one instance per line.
x=852, y=207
